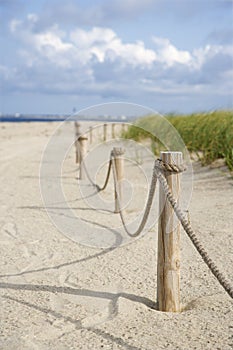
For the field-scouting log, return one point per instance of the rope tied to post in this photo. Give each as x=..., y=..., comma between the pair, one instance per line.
x=159, y=164
x=169, y=167
x=191, y=234
x=82, y=164
x=159, y=169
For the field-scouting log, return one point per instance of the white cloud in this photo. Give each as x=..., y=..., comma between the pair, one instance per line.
x=92, y=44
x=86, y=39
x=204, y=54
x=98, y=62
x=169, y=54
x=50, y=44
x=80, y=46
x=100, y=44
x=104, y=44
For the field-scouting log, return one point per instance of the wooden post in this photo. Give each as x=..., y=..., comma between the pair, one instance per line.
x=77, y=126
x=105, y=132
x=77, y=158
x=82, y=152
x=123, y=127
x=113, y=130
x=119, y=166
x=91, y=134
x=77, y=135
x=168, y=268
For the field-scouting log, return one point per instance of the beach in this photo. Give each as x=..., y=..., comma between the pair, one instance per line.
x=62, y=291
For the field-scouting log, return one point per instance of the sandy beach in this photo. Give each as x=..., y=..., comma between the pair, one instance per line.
x=63, y=293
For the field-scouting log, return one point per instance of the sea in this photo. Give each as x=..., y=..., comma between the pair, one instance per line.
x=17, y=118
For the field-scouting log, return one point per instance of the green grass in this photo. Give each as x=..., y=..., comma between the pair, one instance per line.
x=208, y=135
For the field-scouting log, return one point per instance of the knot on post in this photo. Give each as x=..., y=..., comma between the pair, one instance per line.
x=170, y=167
x=118, y=151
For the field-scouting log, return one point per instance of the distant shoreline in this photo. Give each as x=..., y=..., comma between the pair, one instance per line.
x=13, y=119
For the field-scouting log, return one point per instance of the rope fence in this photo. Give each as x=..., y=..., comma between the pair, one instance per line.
x=167, y=174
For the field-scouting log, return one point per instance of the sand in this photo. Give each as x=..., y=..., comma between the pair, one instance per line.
x=59, y=294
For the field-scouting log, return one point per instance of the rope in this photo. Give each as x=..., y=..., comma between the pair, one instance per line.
x=148, y=203
x=158, y=173
x=188, y=229
x=106, y=179
x=169, y=167
x=87, y=173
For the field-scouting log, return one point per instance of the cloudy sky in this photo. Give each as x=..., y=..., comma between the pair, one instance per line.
x=169, y=55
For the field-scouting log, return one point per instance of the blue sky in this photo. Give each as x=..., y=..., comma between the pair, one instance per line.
x=169, y=55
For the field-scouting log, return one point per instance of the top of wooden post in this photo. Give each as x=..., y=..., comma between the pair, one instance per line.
x=118, y=151
x=171, y=157
x=77, y=128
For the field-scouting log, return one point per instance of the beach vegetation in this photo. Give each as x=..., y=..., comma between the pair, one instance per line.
x=207, y=135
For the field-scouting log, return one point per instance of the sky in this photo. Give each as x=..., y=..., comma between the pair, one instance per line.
x=173, y=56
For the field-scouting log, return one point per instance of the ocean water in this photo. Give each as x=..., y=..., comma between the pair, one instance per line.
x=31, y=118
x=58, y=118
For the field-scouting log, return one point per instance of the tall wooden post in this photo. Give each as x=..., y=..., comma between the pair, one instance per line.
x=91, y=129
x=113, y=130
x=82, y=152
x=77, y=127
x=119, y=166
x=168, y=268
x=105, y=132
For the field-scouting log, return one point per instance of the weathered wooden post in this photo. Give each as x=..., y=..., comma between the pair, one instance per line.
x=77, y=127
x=113, y=130
x=91, y=134
x=119, y=166
x=82, y=152
x=168, y=268
x=105, y=132
x=123, y=127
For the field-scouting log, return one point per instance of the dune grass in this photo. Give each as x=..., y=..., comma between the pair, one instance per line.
x=208, y=135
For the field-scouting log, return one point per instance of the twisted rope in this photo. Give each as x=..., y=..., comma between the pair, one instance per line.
x=158, y=173
x=188, y=229
x=106, y=179
x=148, y=203
x=169, y=167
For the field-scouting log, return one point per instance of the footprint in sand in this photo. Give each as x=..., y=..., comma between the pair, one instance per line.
x=9, y=230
